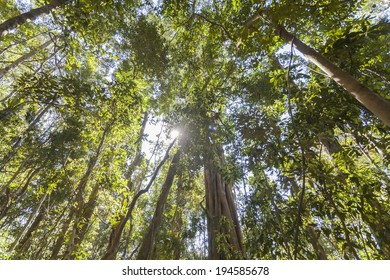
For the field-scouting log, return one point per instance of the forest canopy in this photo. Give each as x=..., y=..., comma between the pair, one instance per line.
x=202, y=129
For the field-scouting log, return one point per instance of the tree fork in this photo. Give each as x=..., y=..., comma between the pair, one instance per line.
x=149, y=240
x=117, y=231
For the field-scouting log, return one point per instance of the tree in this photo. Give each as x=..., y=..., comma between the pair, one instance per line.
x=150, y=237
x=378, y=105
x=29, y=16
x=273, y=159
x=223, y=226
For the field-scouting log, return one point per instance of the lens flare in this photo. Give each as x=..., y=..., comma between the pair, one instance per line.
x=175, y=133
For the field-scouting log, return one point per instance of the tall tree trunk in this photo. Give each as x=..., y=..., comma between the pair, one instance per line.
x=25, y=243
x=79, y=205
x=375, y=103
x=61, y=237
x=85, y=218
x=116, y=233
x=177, y=221
x=19, y=141
x=23, y=58
x=30, y=221
x=315, y=241
x=43, y=245
x=14, y=22
x=224, y=232
x=150, y=237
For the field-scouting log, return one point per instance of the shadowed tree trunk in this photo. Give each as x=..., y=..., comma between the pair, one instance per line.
x=14, y=22
x=25, y=243
x=28, y=224
x=177, y=221
x=223, y=227
x=85, y=218
x=150, y=237
x=330, y=143
x=19, y=141
x=76, y=212
x=315, y=241
x=46, y=240
x=116, y=233
x=61, y=237
x=79, y=207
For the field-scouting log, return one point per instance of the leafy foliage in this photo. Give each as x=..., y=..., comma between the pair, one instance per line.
x=308, y=164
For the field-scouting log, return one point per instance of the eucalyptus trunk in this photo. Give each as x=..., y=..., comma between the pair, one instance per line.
x=61, y=237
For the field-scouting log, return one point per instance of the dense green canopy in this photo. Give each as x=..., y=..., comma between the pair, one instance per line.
x=282, y=111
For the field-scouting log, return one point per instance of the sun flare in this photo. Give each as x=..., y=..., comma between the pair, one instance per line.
x=175, y=133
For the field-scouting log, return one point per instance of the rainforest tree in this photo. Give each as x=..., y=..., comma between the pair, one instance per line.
x=281, y=112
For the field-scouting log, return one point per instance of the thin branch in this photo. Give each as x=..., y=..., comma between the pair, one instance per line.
x=216, y=24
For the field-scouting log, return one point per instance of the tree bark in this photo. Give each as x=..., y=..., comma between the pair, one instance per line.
x=25, y=243
x=19, y=141
x=79, y=199
x=61, y=237
x=375, y=103
x=315, y=241
x=14, y=22
x=150, y=237
x=85, y=218
x=30, y=221
x=177, y=221
x=23, y=58
x=223, y=227
x=116, y=233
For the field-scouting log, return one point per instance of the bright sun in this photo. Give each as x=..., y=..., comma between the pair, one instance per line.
x=175, y=133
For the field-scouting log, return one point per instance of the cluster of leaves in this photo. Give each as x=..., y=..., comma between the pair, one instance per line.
x=309, y=164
